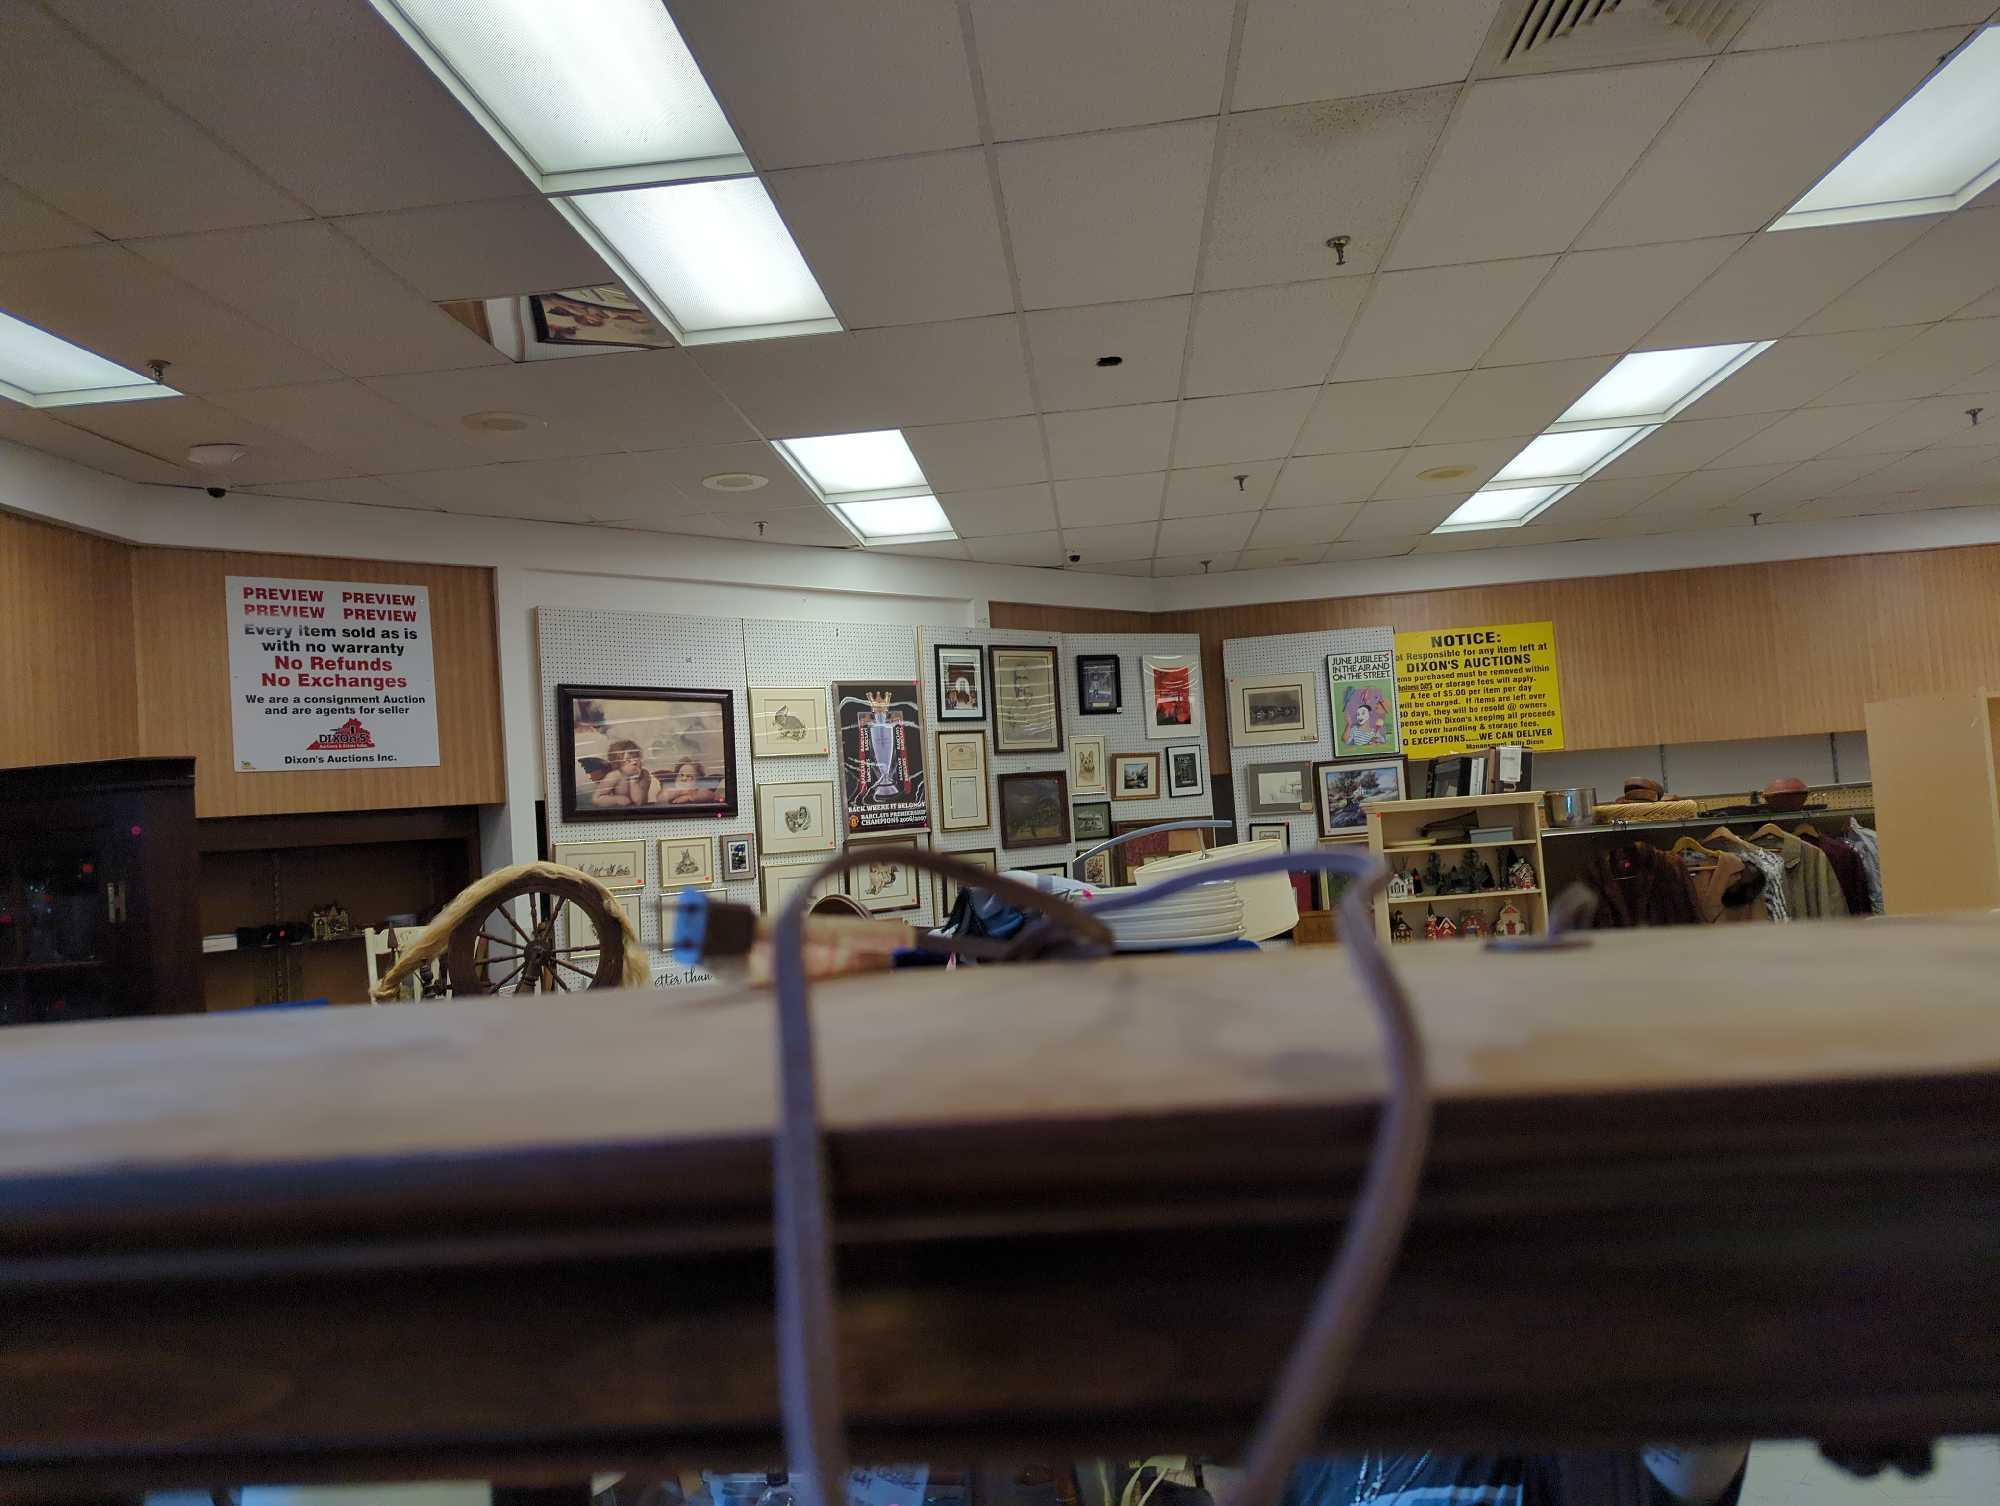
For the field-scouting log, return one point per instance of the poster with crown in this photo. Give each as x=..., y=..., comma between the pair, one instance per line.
x=880, y=724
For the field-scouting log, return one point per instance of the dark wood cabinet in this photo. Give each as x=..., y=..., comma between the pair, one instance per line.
x=97, y=891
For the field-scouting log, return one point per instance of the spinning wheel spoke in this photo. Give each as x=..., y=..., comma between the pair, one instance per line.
x=508, y=915
x=496, y=952
x=582, y=972
x=555, y=982
x=496, y=987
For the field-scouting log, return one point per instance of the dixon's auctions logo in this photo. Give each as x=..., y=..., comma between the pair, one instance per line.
x=349, y=734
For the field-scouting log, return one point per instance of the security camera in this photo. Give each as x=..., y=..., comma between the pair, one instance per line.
x=1075, y=559
x=217, y=491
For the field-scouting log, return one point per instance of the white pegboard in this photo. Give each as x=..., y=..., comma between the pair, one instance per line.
x=1290, y=654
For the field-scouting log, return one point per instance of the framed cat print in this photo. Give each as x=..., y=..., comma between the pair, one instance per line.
x=797, y=817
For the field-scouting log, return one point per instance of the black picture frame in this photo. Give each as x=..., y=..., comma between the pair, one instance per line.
x=1049, y=790
x=1089, y=691
x=1090, y=820
x=615, y=714
x=959, y=655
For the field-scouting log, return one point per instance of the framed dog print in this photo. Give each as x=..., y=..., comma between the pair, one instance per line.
x=1272, y=709
x=1098, y=688
x=979, y=857
x=796, y=817
x=1277, y=789
x=788, y=722
x=889, y=883
x=616, y=865
x=780, y=883
x=1272, y=831
x=1090, y=820
x=1027, y=712
x=961, y=777
x=1086, y=766
x=629, y=753
x=687, y=862
x=1184, y=771
x=1034, y=809
x=881, y=732
x=1135, y=776
x=1346, y=789
x=739, y=856
x=1173, y=695
x=961, y=682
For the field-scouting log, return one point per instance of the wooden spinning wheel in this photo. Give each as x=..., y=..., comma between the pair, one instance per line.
x=569, y=940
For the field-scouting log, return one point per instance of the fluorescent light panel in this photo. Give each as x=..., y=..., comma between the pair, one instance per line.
x=1938, y=151
x=1508, y=507
x=896, y=520
x=1651, y=386
x=1569, y=456
x=41, y=370
x=848, y=464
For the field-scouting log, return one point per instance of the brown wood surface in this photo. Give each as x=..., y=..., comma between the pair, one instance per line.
x=67, y=688
x=1937, y=800
x=1745, y=1189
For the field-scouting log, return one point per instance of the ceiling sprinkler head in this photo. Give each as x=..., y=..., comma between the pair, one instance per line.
x=214, y=456
x=1338, y=245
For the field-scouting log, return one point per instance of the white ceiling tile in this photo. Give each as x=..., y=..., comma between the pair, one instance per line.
x=1500, y=402
x=979, y=456
x=1438, y=319
x=288, y=88
x=811, y=527
x=1778, y=120
x=630, y=400
x=1190, y=564
x=1291, y=178
x=1002, y=510
x=1601, y=302
x=1146, y=337
x=1808, y=432
x=1261, y=339
x=1314, y=480
x=1379, y=415
x=107, y=300
x=1778, y=281
x=1808, y=481
x=1797, y=369
x=1102, y=546
x=1477, y=205
x=92, y=142
x=350, y=423
x=1052, y=67
x=352, y=491
x=685, y=469
x=1019, y=549
x=319, y=291
x=1686, y=444
x=499, y=249
x=1956, y=262
x=1929, y=363
x=566, y=490
x=810, y=81
x=1298, y=50
x=1280, y=556
x=166, y=428
x=951, y=549
x=1986, y=308
x=1609, y=499
x=1793, y=23
x=1246, y=426
x=1400, y=519
x=1289, y=527
x=904, y=241
x=27, y=224
x=1206, y=536
x=1106, y=218
x=1206, y=490
x=1140, y=566
x=33, y=427
x=1110, y=499
x=1110, y=441
x=1938, y=421
x=1927, y=469
x=875, y=378
x=1368, y=547
x=1572, y=511
x=1472, y=465
x=1715, y=487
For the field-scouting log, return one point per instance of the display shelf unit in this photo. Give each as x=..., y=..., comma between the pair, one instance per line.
x=1935, y=762
x=1394, y=835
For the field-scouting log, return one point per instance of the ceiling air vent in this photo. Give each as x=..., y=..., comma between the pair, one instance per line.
x=1536, y=36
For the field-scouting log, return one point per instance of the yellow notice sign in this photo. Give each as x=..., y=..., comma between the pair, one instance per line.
x=1460, y=688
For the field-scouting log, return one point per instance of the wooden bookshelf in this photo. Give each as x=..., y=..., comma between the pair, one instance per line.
x=1395, y=834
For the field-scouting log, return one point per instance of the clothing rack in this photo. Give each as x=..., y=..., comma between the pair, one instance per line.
x=1706, y=823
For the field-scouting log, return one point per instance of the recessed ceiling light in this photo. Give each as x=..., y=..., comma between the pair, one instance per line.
x=41, y=370
x=1506, y=508
x=1444, y=473
x=735, y=481
x=1651, y=386
x=869, y=463
x=497, y=421
x=896, y=520
x=1568, y=456
x=1938, y=151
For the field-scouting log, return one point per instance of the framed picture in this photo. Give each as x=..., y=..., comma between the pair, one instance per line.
x=961, y=682
x=1130, y=856
x=1173, y=695
x=1099, y=691
x=1090, y=820
x=1272, y=709
x=687, y=862
x=1184, y=770
x=889, y=883
x=1277, y=789
x=1361, y=690
x=788, y=722
x=739, y=856
x=1135, y=776
x=1034, y=809
x=979, y=857
x=631, y=753
x=1095, y=870
x=616, y=865
x=1272, y=831
x=881, y=730
x=666, y=904
x=1345, y=789
x=1053, y=870
x=780, y=883
x=796, y=817
x=583, y=933
x=1086, y=766
x=961, y=775
x=1027, y=712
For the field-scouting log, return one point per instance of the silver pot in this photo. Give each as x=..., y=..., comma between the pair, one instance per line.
x=1573, y=807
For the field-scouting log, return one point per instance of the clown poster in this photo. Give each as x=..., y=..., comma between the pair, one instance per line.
x=1362, y=688
x=881, y=731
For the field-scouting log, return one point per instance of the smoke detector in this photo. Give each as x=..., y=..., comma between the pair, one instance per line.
x=495, y=421
x=735, y=481
x=213, y=457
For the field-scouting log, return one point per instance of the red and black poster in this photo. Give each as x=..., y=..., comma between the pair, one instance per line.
x=881, y=731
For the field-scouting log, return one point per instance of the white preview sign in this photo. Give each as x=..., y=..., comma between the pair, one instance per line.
x=330, y=674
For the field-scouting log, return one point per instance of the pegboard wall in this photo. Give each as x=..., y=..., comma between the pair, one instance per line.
x=1290, y=654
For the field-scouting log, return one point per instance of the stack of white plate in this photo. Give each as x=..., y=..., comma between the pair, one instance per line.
x=1200, y=916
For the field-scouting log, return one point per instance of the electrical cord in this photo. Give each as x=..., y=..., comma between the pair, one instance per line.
x=808, y=1380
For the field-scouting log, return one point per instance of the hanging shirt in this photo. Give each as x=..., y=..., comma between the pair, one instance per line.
x=1726, y=887
x=1868, y=848
x=1773, y=868
x=1428, y=1479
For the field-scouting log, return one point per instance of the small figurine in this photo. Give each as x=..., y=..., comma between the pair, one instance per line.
x=1399, y=885
x=1399, y=928
x=1433, y=876
x=1520, y=872
x=1470, y=925
x=1508, y=921
x=1438, y=928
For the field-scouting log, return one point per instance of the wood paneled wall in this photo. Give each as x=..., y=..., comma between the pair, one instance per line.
x=1768, y=650
x=67, y=689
